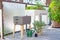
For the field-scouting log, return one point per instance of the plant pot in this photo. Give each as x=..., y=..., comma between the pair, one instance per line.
x=55, y=24
x=40, y=33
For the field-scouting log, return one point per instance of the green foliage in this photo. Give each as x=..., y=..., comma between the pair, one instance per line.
x=54, y=10
x=38, y=25
x=38, y=6
x=31, y=7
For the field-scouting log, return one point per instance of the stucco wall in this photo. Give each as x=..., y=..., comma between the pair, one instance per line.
x=15, y=9
x=10, y=10
x=37, y=13
x=30, y=13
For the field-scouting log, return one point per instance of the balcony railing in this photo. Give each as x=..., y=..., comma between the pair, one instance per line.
x=14, y=0
x=28, y=2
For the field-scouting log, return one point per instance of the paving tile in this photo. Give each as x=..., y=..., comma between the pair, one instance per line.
x=48, y=34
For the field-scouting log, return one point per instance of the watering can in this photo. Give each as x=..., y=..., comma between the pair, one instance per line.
x=29, y=32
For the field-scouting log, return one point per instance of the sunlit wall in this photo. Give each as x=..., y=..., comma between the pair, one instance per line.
x=10, y=10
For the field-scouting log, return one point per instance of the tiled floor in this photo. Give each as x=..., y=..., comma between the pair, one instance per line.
x=48, y=34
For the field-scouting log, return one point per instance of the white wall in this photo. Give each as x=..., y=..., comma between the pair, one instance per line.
x=36, y=13
x=30, y=13
x=45, y=19
x=15, y=9
x=10, y=10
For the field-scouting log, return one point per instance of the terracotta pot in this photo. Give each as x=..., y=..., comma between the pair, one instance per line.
x=55, y=24
x=40, y=33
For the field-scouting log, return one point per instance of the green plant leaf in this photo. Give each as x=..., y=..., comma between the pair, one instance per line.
x=38, y=25
x=54, y=10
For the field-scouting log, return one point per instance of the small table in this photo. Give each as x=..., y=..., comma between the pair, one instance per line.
x=21, y=20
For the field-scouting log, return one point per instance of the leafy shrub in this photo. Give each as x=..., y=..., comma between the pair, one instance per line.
x=38, y=25
x=38, y=6
x=54, y=10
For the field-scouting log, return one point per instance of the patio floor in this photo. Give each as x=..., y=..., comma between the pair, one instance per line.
x=48, y=34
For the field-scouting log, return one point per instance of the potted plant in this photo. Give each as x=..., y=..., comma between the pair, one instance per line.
x=54, y=13
x=37, y=6
x=38, y=26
